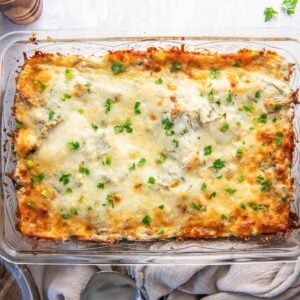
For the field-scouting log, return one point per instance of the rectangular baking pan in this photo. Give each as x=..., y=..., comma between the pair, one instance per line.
x=19, y=249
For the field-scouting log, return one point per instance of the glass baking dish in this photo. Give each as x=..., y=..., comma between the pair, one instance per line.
x=18, y=249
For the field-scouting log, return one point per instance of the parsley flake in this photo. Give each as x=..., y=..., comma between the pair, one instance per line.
x=203, y=186
x=37, y=178
x=65, y=178
x=118, y=67
x=51, y=115
x=214, y=73
x=107, y=160
x=175, y=67
x=159, y=81
x=218, y=164
x=197, y=206
x=142, y=161
x=41, y=84
x=269, y=13
x=94, y=126
x=101, y=185
x=110, y=201
x=136, y=108
x=151, y=180
x=230, y=191
x=289, y=6
x=74, y=145
x=69, y=73
x=108, y=104
x=239, y=152
x=84, y=170
x=224, y=127
x=147, y=220
x=65, y=97
x=207, y=150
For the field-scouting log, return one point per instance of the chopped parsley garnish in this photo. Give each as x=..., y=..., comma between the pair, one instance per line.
x=229, y=98
x=197, y=206
x=258, y=207
x=81, y=111
x=203, y=186
x=74, y=145
x=64, y=215
x=218, y=164
x=279, y=133
x=69, y=73
x=257, y=95
x=162, y=158
x=132, y=167
x=65, y=178
x=37, y=178
x=161, y=206
x=101, y=185
x=84, y=170
x=262, y=119
x=248, y=108
x=110, y=201
x=243, y=205
x=224, y=217
x=65, y=97
x=168, y=124
x=51, y=115
x=151, y=180
x=269, y=13
x=41, y=84
x=108, y=104
x=19, y=125
x=142, y=161
x=161, y=230
x=94, y=126
x=214, y=73
x=278, y=142
x=240, y=179
x=126, y=126
x=118, y=67
x=237, y=64
x=137, y=109
x=207, y=150
x=289, y=6
x=159, y=81
x=69, y=190
x=224, y=127
x=277, y=107
x=175, y=67
x=74, y=211
x=106, y=160
x=147, y=220
x=239, y=152
x=265, y=183
x=212, y=195
x=176, y=143
x=89, y=207
x=219, y=177
x=210, y=96
x=230, y=191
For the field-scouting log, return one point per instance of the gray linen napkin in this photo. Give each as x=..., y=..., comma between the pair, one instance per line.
x=239, y=281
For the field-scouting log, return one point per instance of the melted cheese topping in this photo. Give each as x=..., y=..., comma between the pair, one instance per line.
x=155, y=144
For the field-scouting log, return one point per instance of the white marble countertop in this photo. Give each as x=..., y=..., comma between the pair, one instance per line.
x=154, y=16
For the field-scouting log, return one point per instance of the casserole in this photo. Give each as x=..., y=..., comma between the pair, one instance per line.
x=17, y=248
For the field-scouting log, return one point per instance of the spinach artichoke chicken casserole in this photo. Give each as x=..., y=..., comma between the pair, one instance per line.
x=155, y=144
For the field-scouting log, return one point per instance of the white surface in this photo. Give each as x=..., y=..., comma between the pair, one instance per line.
x=153, y=15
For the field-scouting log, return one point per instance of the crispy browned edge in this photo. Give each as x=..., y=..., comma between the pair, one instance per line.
x=187, y=58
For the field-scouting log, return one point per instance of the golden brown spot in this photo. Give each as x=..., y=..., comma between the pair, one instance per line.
x=153, y=117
